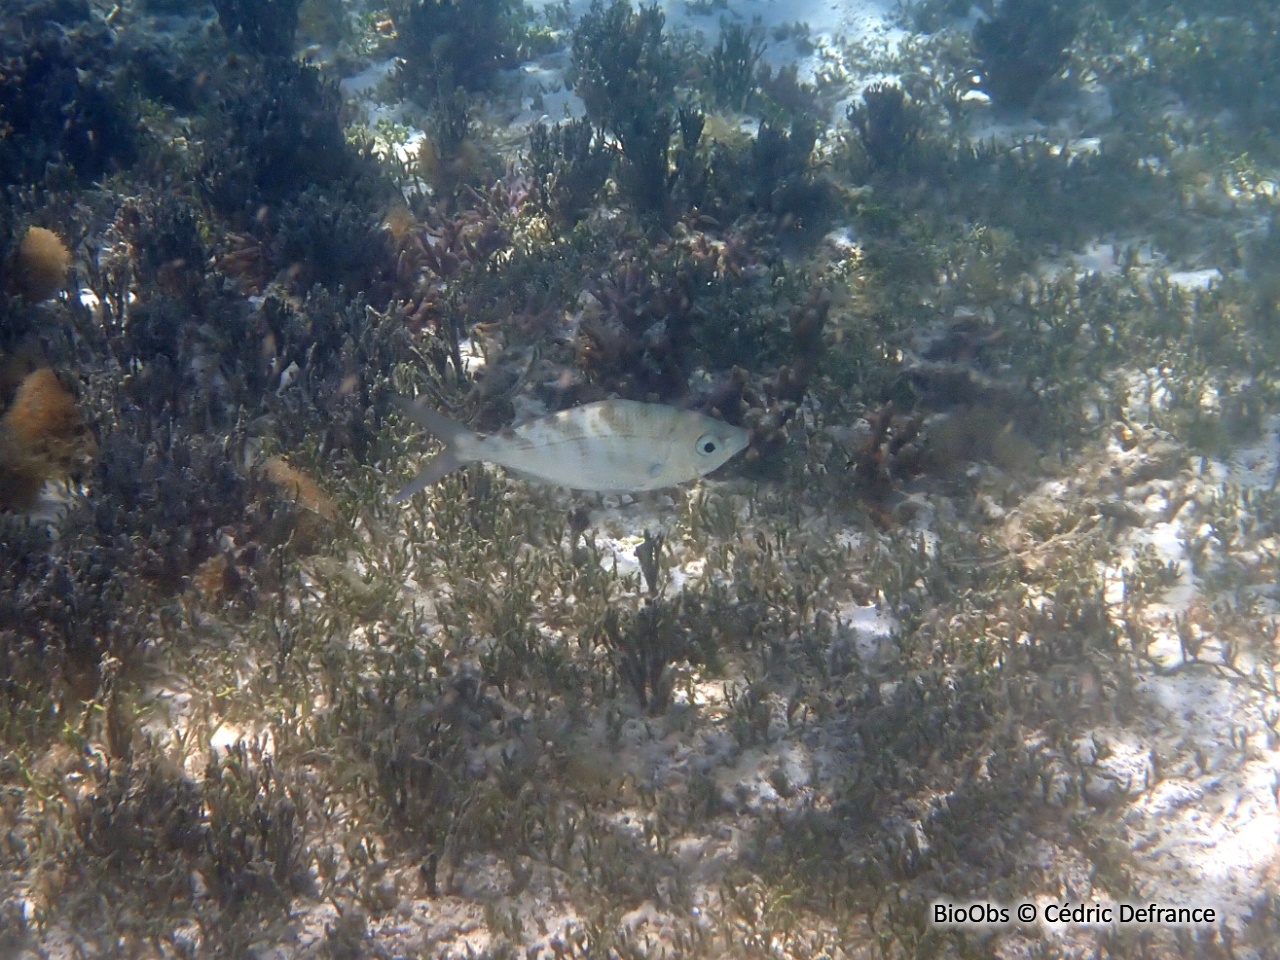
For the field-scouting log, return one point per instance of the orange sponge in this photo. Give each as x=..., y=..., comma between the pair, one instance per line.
x=42, y=264
x=301, y=489
x=42, y=437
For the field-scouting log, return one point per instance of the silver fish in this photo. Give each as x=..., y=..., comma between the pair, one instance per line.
x=612, y=446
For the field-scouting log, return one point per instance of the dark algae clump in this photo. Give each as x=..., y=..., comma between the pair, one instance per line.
x=887, y=125
x=261, y=27
x=1022, y=46
x=734, y=64
x=445, y=44
x=569, y=163
x=60, y=105
x=279, y=132
x=626, y=75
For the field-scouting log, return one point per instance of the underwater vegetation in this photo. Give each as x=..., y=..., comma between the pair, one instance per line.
x=444, y=44
x=626, y=76
x=262, y=27
x=900, y=649
x=625, y=70
x=569, y=163
x=449, y=158
x=734, y=64
x=1213, y=57
x=280, y=132
x=1022, y=46
x=59, y=106
x=781, y=181
x=887, y=125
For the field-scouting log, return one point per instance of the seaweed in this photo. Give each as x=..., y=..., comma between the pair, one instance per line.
x=162, y=507
x=144, y=832
x=142, y=824
x=323, y=238
x=927, y=16
x=164, y=233
x=465, y=700
x=445, y=44
x=626, y=75
x=569, y=163
x=1022, y=47
x=256, y=857
x=637, y=342
x=335, y=344
x=449, y=160
x=164, y=76
x=733, y=64
x=784, y=94
x=58, y=105
x=622, y=67
x=643, y=647
x=279, y=131
x=776, y=178
x=780, y=157
x=1222, y=65
x=887, y=124
x=1260, y=253
x=262, y=27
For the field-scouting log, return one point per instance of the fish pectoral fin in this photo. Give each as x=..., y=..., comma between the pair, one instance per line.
x=655, y=469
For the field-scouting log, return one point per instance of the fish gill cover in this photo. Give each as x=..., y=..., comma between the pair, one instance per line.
x=986, y=612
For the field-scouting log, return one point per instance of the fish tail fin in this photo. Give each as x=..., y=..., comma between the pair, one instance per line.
x=437, y=467
x=457, y=440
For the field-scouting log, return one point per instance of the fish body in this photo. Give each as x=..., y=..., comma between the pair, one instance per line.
x=617, y=446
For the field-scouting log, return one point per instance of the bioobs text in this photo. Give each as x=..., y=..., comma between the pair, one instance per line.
x=960, y=914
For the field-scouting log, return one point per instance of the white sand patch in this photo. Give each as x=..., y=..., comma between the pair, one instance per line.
x=870, y=630
x=1203, y=820
x=1195, y=279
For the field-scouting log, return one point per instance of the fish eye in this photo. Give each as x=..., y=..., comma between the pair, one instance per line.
x=707, y=445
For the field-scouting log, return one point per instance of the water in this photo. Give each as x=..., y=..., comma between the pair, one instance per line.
x=973, y=650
